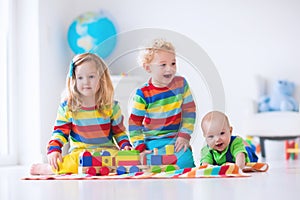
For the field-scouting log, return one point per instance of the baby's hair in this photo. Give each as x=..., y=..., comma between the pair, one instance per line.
x=211, y=115
x=147, y=54
x=103, y=97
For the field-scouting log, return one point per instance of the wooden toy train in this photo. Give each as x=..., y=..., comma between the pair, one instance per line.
x=291, y=150
x=126, y=161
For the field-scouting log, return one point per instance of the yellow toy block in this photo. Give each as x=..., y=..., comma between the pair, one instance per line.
x=107, y=161
x=169, y=149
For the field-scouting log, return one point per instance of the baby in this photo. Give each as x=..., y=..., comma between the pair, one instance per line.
x=221, y=146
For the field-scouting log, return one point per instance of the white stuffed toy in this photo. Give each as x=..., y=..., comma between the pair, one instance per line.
x=281, y=98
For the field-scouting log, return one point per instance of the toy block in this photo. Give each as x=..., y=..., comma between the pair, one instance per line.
x=169, y=159
x=96, y=154
x=155, y=151
x=96, y=161
x=143, y=160
x=136, y=157
x=85, y=153
x=297, y=150
x=107, y=161
x=169, y=149
x=156, y=159
x=128, y=162
x=105, y=153
x=134, y=169
x=128, y=153
x=85, y=160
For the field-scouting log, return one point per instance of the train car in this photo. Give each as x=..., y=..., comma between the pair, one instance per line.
x=126, y=161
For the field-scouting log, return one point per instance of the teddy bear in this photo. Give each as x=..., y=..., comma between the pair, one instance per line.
x=280, y=99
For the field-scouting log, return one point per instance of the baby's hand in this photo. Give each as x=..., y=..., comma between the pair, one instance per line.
x=53, y=157
x=181, y=143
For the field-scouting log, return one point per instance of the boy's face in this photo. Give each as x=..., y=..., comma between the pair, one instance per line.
x=217, y=133
x=87, y=79
x=162, y=68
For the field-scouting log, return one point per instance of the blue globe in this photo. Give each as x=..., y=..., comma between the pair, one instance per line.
x=92, y=32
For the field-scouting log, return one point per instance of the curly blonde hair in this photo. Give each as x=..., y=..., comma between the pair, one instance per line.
x=147, y=54
x=103, y=97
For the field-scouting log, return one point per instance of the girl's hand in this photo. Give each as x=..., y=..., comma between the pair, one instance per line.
x=53, y=157
x=181, y=143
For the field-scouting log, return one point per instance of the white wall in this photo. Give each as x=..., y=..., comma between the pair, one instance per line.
x=242, y=38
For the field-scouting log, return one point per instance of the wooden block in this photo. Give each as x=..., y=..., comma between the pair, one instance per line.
x=169, y=149
x=96, y=161
x=107, y=161
x=128, y=162
x=96, y=153
x=128, y=153
x=85, y=161
x=169, y=159
x=105, y=153
x=156, y=160
x=135, y=157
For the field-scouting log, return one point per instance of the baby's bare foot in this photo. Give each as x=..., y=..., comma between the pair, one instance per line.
x=41, y=169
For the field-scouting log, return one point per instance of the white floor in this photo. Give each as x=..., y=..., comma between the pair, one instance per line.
x=282, y=181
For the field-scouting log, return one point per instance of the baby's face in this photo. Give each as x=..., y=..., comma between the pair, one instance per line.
x=217, y=134
x=162, y=68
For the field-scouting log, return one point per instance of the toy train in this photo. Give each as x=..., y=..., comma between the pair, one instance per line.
x=126, y=161
x=291, y=150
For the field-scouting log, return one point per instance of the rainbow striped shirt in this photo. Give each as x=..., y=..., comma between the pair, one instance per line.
x=162, y=112
x=88, y=128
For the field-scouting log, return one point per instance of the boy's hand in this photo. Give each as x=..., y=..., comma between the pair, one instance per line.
x=181, y=143
x=143, y=154
x=128, y=148
x=53, y=157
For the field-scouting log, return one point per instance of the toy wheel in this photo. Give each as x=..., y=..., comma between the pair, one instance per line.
x=134, y=169
x=170, y=168
x=155, y=169
x=91, y=171
x=121, y=170
x=104, y=171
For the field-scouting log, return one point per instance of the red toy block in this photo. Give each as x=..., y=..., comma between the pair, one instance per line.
x=144, y=160
x=129, y=162
x=169, y=159
x=97, y=161
x=85, y=153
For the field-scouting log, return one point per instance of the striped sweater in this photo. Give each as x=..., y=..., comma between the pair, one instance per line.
x=88, y=128
x=162, y=112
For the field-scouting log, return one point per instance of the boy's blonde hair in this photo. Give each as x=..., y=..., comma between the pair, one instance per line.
x=103, y=97
x=147, y=54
